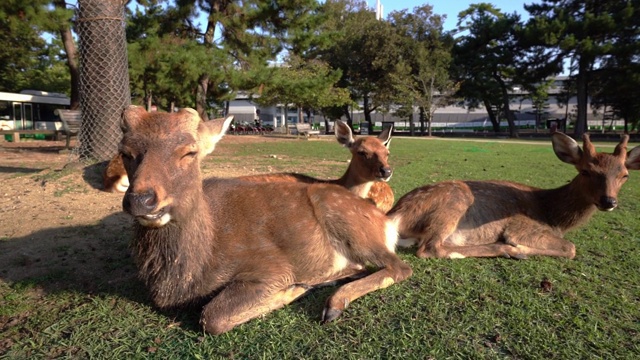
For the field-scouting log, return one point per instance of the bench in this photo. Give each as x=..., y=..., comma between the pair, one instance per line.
x=71, y=121
x=305, y=129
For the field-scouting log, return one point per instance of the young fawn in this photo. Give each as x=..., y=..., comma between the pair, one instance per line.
x=368, y=171
x=458, y=219
x=223, y=242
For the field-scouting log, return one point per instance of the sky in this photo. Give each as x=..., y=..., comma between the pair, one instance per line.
x=451, y=8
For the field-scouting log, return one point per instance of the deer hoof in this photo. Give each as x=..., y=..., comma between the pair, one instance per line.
x=329, y=315
x=520, y=256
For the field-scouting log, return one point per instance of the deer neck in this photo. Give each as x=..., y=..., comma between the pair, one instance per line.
x=355, y=183
x=174, y=259
x=566, y=207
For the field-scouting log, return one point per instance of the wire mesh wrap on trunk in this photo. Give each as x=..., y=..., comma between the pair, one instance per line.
x=104, y=77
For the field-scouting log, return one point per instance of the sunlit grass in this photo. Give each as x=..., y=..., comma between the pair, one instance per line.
x=466, y=309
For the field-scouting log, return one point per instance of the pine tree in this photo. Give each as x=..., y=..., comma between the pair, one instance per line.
x=578, y=29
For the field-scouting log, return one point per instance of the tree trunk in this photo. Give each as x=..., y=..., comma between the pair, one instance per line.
x=347, y=114
x=513, y=131
x=104, y=76
x=203, y=82
x=72, y=58
x=422, y=127
x=201, y=96
x=367, y=112
x=430, y=122
x=430, y=101
x=149, y=100
x=581, y=84
x=492, y=116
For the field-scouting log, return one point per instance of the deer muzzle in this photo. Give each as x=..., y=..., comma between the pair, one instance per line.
x=607, y=203
x=144, y=207
x=385, y=173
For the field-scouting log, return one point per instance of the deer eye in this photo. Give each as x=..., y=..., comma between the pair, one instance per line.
x=190, y=154
x=362, y=153
x=584, y=173
x=126, y=155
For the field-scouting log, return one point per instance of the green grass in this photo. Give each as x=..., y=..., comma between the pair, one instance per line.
x=449, y=309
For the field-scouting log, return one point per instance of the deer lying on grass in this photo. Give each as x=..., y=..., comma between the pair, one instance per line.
x=458, y=219
x=114, y=176
x=366, y=175
x=223, y=241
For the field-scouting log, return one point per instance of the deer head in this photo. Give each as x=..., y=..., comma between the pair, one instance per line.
x=370, y=155
x=601, y=175
x=185, y=140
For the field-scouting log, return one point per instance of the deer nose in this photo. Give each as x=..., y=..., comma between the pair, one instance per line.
x=139, y=204
x=385, y=172
x=607, y=203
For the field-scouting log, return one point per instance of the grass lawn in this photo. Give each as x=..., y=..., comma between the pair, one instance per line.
x=540, y=308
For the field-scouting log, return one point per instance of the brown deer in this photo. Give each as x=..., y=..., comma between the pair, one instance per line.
x=368, y=171
x=115, y=176
x=458, y=219
x=222, y=242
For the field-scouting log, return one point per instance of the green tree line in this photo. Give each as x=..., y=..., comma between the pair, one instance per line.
x=334, y=55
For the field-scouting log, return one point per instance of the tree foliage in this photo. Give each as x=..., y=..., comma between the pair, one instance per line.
x=588, y=32
x=307, y=84
x=398, y=63
x=27, y=61
x=421, y=76
x=164, y=63
x=252, y=33
x=485, y=59
x=365, y=50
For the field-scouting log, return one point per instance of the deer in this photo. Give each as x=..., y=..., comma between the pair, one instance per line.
x=366, y=175
x=221, y=242
x=460, y=219
x=114, y=176
x=368, y=171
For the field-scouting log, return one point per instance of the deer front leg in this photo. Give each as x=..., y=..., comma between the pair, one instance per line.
x=242, y=301
x=484, y=250
x=394, y=272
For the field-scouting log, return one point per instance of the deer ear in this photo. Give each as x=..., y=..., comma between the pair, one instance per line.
x=385, y=136
x=344, y=134
x=131, y=116
x=621, y=148
x=566, y=149
x=212, y=131
x=633, y=159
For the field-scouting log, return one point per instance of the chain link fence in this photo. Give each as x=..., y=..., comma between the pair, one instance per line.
x=104, y=77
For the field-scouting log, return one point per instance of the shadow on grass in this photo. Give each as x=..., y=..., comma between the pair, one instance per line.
x=95, y=260
x=90, y=259
x=92, y=174
x=19, y=170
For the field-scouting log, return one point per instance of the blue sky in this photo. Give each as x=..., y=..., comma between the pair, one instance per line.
x=451, y=8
